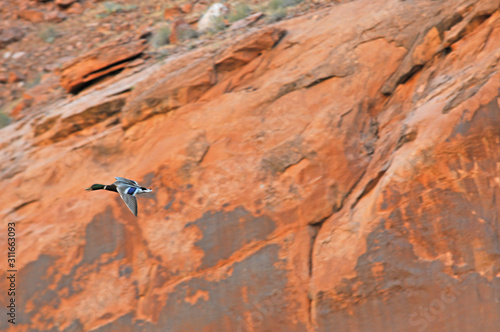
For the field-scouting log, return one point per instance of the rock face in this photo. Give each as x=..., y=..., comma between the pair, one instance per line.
x=100, y=62
x=33, y=16
x=10, y=35
x=338, y=171
x=244, y=22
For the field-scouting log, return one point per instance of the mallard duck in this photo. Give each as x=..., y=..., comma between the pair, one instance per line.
x=127, y=190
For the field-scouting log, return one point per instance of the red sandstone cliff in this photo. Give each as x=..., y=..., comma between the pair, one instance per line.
x=339, y=171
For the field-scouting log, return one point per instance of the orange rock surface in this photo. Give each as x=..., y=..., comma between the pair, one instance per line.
x=98, y=63
x=338, y=171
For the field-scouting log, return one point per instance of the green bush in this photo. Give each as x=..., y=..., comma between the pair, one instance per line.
x=4, y=120
x=185, y=33
x=274, y=5
x=277, y=14
x=219, y=24
x=161, y=36
x=34, y=82
x=113, y=7
x=48, y=34
x=241, y=10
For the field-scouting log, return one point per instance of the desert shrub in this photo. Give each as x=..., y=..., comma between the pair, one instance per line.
x=219, y=24
x=4, y=119
x=185, y=32
x=48, y=34
x=161, y=36
x=111, y=7
x=277, y=14
x=34, y=82
x=277, y=4
x=277, y=9
x=241, y=10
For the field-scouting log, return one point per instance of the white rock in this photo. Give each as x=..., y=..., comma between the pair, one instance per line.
x=7, y=55
x=208, y=20
x=18, y=55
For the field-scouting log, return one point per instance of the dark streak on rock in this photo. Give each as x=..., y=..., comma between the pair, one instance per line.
x=285, y=155
x=235, y=229
x=370, y=185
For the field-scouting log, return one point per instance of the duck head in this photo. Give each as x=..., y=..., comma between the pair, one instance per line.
x=96, y=186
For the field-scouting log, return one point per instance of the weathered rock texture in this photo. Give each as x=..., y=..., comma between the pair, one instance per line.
x=99, y=62
x=341, y=176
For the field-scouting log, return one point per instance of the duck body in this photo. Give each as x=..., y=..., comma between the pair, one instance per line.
x=128, y=189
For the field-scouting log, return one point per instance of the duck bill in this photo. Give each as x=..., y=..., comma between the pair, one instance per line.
x=88, y=189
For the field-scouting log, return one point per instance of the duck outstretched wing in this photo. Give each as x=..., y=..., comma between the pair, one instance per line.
x=126, y=181
x=129, y=199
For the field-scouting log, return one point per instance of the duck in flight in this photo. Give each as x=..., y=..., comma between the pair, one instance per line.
x=127, y=189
